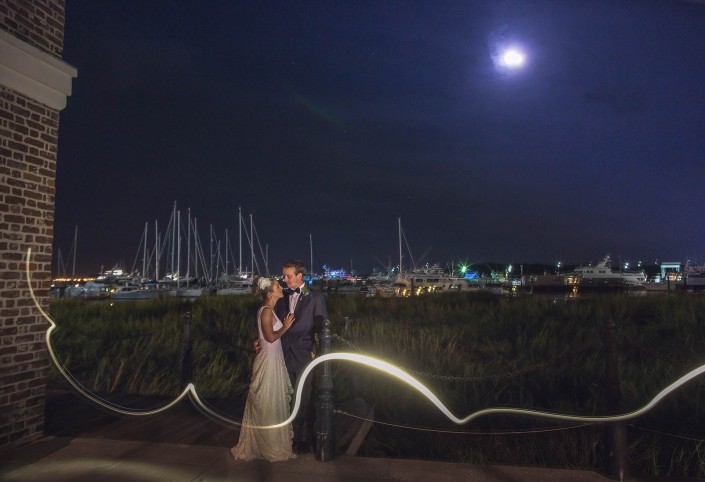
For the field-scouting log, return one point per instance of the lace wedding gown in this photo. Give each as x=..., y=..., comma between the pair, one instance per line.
x=267, y=404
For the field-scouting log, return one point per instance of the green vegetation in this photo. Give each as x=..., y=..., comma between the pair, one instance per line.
x=474, y=351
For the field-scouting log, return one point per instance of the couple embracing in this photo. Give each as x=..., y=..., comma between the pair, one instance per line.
x=286, y=345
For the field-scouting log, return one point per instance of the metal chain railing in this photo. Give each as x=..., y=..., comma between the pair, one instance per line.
x=465, y=432
x=659, y=432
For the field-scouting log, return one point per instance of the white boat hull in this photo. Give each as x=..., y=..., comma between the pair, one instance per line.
x=134, y=295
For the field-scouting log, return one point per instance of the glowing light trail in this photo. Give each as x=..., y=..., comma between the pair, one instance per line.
x=383, y=366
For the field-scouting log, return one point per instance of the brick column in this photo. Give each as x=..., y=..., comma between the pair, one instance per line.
x=34, y=83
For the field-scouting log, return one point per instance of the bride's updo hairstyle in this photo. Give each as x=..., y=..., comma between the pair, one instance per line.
x=263, y=286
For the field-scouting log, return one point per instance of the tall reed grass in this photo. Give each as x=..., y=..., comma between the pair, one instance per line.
x=475, y=351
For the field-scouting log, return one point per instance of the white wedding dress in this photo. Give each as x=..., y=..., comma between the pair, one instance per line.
x=267, y=404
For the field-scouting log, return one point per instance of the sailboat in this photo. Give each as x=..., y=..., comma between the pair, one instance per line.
x=240, y=283
x=424, y=279
x=188, y=291
x=128, y=287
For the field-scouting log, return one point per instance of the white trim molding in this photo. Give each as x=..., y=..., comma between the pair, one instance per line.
x=33, y=72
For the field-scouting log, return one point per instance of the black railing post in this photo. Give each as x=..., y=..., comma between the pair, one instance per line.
x=185, y=362
x=617, y=456
x=325, y=418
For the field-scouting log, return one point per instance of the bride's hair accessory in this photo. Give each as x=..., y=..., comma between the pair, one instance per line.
x=264, y=283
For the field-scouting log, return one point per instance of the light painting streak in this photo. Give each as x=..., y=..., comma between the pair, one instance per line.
x=81, y=389
x=371, y=362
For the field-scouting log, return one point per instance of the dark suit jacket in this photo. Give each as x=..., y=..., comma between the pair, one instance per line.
x=298, y=342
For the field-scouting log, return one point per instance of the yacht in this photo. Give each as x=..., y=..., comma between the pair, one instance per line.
x=89, y=290
x=235, y=285
x=133, y=292
x=694, y=277
x=550, y=282
x=602, y=275
x=429, y=279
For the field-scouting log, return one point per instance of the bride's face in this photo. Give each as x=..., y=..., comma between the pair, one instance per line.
x=277, y=291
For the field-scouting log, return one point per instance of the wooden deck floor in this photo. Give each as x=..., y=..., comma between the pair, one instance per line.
x=70, y=415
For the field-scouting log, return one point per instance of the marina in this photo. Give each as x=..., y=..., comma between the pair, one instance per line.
x=426, y=280
x=169, y=270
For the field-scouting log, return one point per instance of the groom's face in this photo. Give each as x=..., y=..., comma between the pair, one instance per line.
x=292, y=279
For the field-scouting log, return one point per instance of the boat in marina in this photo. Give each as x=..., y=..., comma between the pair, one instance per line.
x=379, y=277
x=672, y=281
x=428, y=279
x=243, y=289
x=89, y=290
x=132, y=292
x=603, y=276
x=550, y=282
x=234, y=285
x=695, y=281
x=421, y=280
x=694, y=275
x=343, y=286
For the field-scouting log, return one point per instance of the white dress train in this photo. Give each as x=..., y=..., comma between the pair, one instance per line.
x=267, y=403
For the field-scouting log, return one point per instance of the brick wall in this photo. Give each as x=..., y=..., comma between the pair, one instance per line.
x=37, y=22
x=28, y=145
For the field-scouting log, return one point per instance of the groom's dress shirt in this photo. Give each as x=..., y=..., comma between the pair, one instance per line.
x=293, y=299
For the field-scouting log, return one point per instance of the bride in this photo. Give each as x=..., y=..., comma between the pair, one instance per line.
x=270, y=388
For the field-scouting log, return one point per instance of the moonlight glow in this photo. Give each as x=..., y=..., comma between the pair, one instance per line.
x=513, y=58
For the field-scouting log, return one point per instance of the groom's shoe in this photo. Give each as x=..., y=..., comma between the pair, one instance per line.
x=301, y=448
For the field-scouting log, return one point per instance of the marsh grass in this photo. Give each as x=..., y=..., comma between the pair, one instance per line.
x=135, y=348
x=524, y=352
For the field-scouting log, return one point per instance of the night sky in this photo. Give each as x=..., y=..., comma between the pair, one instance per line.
x=336, y=118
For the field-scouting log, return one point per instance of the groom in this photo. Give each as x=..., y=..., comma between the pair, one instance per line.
x=298, y=344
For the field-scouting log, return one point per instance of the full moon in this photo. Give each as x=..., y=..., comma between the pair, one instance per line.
x=513, y=58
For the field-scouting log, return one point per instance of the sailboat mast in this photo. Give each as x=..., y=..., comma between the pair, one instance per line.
x=156, y=251
x=210, y=268
x=400, y=255
x=75, y=246
x=196, y=246
x=188, y=249
x=173, y=236
x=227, y=243
x=178, y=248
x=239, y=227
x=252, y=248
x=310, y=243
x=144, y=252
